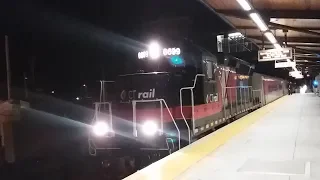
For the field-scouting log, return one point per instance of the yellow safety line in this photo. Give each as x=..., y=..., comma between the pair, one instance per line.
x=172, y=166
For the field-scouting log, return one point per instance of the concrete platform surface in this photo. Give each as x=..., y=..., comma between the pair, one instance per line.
x=283, y=145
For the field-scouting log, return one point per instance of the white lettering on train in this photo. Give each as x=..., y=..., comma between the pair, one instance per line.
x=128, y=96
x=147, y=95
x=210, y=98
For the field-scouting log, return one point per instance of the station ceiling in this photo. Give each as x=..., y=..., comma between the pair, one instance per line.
x=298, y=19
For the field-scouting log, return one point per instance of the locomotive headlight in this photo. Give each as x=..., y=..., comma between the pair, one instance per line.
x=154, y=50
x=150, y=128
x=100, y=128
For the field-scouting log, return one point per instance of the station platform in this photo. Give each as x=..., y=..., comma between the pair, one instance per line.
x=280, y=141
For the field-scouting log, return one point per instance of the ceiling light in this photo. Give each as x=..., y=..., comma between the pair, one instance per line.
x=245, y=5
x=270, y=37
x=257, y=19
x=277, y=46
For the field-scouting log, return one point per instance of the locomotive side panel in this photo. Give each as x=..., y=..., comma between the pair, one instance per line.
x=211, y=106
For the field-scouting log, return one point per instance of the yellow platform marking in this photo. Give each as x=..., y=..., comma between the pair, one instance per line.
x=172, y=166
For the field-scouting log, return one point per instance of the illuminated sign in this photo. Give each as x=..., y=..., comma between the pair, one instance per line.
x=171, y=51
x=295, y=73
x=242, y=77
x=284, y=64
x=235, y=35
x=165, y=52
x=275, y=54
x=143, y=54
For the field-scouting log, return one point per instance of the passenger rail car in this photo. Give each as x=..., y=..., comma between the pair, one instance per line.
x=173, y=96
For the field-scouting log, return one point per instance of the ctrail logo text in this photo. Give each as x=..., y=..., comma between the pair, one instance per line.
x=147, y=95
x=133, y=94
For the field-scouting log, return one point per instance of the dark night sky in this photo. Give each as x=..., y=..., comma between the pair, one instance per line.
x=73, y=41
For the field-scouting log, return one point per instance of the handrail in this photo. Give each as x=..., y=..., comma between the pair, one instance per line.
x=192, y=105
x=110, y=111
x=97, y=110
x=134, y=102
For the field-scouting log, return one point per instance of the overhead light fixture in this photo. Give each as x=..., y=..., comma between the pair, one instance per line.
x=257, y=19
x=245, y=5
x=271, y=37
x=277, y=46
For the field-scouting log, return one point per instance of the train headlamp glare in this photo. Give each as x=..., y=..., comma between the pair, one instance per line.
x=150, y=128
x=154, y=50
x=100, y=128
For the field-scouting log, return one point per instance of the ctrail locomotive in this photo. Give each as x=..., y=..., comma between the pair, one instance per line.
x=174, y=94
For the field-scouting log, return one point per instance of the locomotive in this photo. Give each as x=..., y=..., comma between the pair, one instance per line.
x=174, y=94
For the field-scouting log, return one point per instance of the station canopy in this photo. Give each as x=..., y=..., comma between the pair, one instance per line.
x=295, y=22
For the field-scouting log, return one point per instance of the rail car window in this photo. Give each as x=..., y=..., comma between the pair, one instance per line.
x=209, y=69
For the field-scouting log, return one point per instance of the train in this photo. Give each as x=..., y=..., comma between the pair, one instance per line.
x=174, y=94
x=171, y=95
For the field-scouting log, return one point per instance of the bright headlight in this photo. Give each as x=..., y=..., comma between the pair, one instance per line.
x=100, y=128
x=150, y=128
x=154, y=50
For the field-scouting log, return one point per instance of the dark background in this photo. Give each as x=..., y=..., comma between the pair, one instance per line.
x=69, y=43
x=72, y=42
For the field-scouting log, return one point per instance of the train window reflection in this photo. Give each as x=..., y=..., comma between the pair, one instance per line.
x=209, y=69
